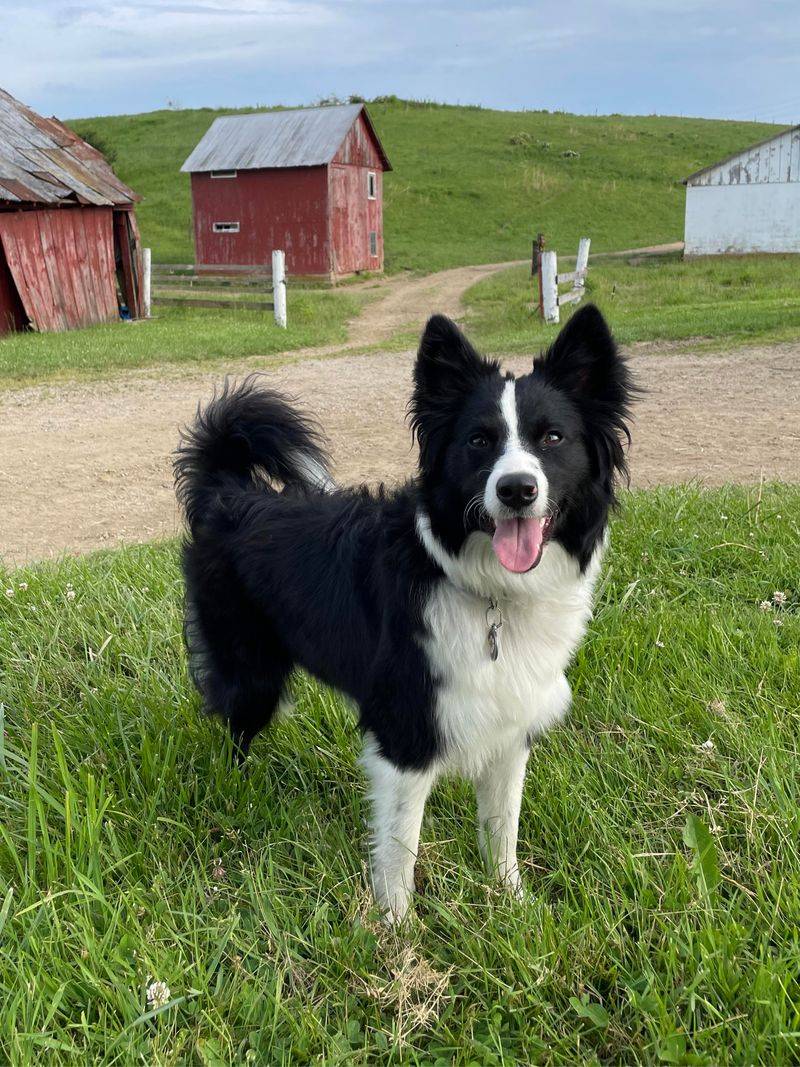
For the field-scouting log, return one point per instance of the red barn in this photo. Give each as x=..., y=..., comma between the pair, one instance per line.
x=69, y=245
x=308, y=182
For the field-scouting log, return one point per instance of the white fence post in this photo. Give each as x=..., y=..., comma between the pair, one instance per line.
x=550, y=286
x=582, y=262
x=147, y=273
x=279, y=287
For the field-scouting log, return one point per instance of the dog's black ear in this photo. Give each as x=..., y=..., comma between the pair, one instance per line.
x=447, y=369
x=445, y=358
x=584, y=362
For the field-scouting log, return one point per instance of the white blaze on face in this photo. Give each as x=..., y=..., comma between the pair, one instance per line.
x=516, y=459
x=519, y=535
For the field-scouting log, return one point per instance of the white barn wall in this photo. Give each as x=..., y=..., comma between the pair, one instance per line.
x=762, y=217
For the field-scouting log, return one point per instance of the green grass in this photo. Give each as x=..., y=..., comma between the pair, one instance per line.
x=664, y=875
x=469, y=185
x=727, y=299
x=177, y=335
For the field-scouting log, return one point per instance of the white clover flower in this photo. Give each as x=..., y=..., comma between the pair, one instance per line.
x=9, y=593
x=777, y=622
x=766, y=605
x=70, y=593
x=22, y=586
x=708, y=745
x=779, y=597
x=659, y=644
x=158, y=994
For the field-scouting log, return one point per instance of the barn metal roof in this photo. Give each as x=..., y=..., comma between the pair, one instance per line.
x=44, y=162
x=741, y=152
x=304, y=137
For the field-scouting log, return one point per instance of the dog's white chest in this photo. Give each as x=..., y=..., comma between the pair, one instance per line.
x=483, y=704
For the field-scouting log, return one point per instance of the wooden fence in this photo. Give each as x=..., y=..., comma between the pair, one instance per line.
x=176, y=286
x=550, y=299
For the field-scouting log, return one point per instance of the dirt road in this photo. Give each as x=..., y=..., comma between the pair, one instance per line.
x=405, y=303
x=84, y=466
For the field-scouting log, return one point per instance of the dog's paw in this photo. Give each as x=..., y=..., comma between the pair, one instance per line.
x=285, y=709
x=397, y=912
x=512, y=883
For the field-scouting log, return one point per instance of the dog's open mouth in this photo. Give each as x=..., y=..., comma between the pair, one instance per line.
x=518, y=543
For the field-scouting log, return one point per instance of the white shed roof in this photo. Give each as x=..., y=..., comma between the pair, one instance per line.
x=775, y=159
x=305, y=137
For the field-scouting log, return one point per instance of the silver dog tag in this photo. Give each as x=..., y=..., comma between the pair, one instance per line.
x=494, y=644
x=494, y=620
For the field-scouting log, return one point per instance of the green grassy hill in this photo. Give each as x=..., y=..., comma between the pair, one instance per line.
x=469, y=185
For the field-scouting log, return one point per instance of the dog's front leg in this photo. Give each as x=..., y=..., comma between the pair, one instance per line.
x=398, y=802
x=499, y=792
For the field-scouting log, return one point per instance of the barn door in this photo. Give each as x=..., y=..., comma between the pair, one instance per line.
x=127, y=255
x=12, y=313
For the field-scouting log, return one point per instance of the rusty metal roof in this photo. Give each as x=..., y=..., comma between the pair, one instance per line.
x=305, y=137
x=44, y=162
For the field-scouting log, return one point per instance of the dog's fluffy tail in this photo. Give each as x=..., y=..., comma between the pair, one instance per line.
x=245, y=436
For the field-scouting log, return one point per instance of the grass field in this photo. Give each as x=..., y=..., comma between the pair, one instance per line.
x=177, y=335
x=469, y=185
x=728, y=299
x=659, y=835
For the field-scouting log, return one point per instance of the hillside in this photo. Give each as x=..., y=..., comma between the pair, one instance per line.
x=469, y=185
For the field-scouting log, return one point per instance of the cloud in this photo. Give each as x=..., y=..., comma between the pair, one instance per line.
x=673, y=56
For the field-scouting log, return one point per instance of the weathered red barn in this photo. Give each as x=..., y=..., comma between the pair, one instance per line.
x=307, y=181
x=70, y=253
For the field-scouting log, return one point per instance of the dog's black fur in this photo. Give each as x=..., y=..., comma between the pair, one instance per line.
x=336, y=582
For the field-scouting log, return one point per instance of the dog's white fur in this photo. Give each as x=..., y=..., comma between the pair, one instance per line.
x=487, y=711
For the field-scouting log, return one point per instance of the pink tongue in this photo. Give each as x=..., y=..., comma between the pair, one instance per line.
x=517, y=543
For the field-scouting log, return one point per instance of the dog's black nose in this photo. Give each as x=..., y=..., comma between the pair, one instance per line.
x=517, y=491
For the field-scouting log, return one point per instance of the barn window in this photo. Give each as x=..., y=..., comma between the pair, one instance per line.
x=372, y=185
x=226, y=227
x=223, y=173
x=373, y=243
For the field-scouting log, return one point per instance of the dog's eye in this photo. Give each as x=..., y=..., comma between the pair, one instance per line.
x=552, y=437
x=478, y=440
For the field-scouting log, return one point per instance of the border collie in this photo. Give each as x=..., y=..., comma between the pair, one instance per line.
x=448, y=608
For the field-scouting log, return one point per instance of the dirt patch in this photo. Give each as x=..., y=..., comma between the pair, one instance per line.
x=85, y=466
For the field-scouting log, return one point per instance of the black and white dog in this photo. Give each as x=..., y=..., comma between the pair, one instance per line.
x=448, y=609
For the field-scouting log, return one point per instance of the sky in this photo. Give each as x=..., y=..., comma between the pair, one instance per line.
x=733, y=59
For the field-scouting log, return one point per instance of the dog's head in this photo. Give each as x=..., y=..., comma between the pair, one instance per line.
x=521, y=460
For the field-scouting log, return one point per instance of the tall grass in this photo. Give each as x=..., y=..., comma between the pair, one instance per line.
x=659, y=835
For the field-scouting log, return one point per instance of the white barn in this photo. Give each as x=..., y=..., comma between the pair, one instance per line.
x=749, y=202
